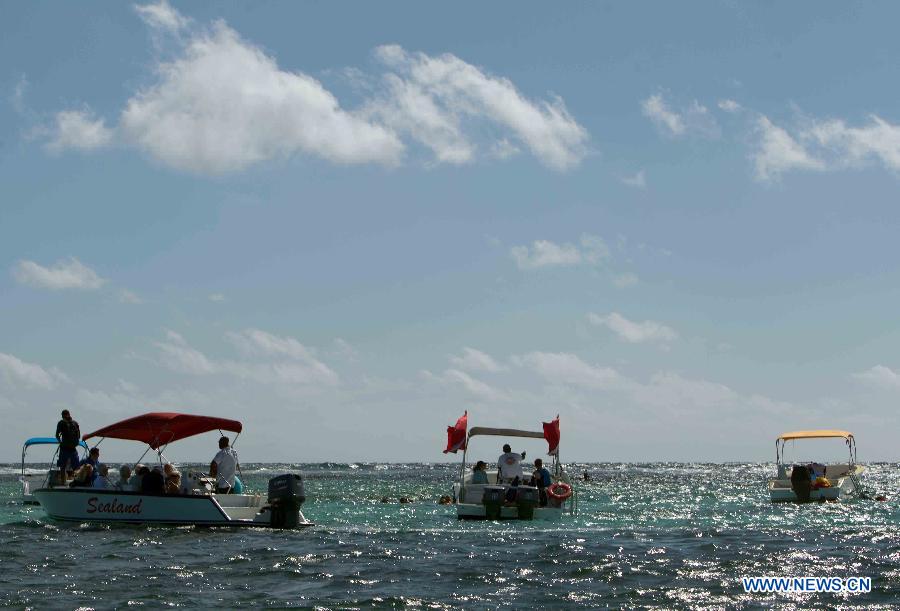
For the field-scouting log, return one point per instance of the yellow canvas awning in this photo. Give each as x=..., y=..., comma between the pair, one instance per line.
x=815, y=435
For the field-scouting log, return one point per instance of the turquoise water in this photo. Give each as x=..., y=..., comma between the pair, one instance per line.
x=647, y=535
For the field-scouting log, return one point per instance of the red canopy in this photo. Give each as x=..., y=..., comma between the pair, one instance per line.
x=159, y=428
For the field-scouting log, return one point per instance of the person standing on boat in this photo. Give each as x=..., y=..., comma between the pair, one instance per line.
x=509, y=464
x=542, y=479
x=68, y=434
x=223, y=467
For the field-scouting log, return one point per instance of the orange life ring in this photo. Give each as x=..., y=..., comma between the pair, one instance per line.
x=559, y=491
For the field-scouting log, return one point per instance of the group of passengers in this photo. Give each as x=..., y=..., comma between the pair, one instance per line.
x=161, y=479
x=510, y=472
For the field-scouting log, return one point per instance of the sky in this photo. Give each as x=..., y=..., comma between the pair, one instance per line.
x=344, y=224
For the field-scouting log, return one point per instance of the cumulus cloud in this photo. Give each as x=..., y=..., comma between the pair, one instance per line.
x=694, y=119
x=880, y=376
x=778, y=152
x=224, y=105
x=565, y=368
x=221, y=104
x=625, y=280
x=879, y=140
x=16, y=372
x=544, y=253
x=78, y=129
x=477, y=388
x=178, y=356
x=476, y=360
x=429, y=96
x=273, y=360
x=634, y=332
x=639, y=180
x=730, y=106
x=126, y=296
x=65, y=274
x=161, y=16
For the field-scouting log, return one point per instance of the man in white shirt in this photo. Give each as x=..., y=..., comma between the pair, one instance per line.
x=509, y=466
x=223, y=467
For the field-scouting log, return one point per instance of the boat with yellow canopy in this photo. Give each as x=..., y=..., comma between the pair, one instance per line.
x=804, y=481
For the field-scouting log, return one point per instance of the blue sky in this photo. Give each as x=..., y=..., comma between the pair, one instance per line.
x=345, y=224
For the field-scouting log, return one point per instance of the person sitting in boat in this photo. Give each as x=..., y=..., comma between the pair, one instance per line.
x=137, y=476
x=68, y=434
x=124, y=477
x=541, y=479
x=479, y=473
x=102, y=478
x=84, y=477
x=513, y=491
x=93, y=459
x=153, y=482
x=509, y=465
x=223, y=467
x=816, y=469
x=173, y=479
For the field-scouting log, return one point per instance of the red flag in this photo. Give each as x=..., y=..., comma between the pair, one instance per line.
x=551, y=434
x=456, y=435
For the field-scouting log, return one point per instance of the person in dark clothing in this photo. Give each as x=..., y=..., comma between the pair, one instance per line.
x=153, y=482
x=68, y=434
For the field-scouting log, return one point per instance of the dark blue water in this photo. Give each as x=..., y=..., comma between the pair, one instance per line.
x=654, y=535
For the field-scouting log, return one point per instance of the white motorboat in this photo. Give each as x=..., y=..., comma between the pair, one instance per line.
x=799, y=482
x=196, y=503
x=495, y=500
x=30, y=481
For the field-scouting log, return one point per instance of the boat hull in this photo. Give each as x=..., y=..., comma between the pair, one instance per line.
x=843, y=488
x=119, y=507
x=471, y=511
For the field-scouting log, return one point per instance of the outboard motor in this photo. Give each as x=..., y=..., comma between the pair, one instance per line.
x=493, y=501
x=527, y=499
x=285, y=498
x=800, y=483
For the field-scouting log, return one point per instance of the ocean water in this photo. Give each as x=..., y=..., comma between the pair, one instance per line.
x=660, y=535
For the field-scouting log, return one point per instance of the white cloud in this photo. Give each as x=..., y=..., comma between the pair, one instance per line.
x=224, y=105
x=17, y=99
x=730, y=106
x=854, y=145
x=674, y=392
x=639, y=180
x=178, y=356
x=477, y=388
x=880, y=376
x=65, y=274
x=779, y=152
x=430, y=95
x=277, y=360
x=217, y=297
x=16, y=371
x=161, y=16
x=126, y=296
x=666, y=120
x=254, y=341
x=634, y=332
x=564, y=368
x=78, y=129
x=625, y=280
x=544, y=253
x=695, y=119
x=475, y=360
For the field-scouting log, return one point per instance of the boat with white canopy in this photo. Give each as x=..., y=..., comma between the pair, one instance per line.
x=803, y=481
x=31, y=480
x=196, y=503
x=498, y=498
